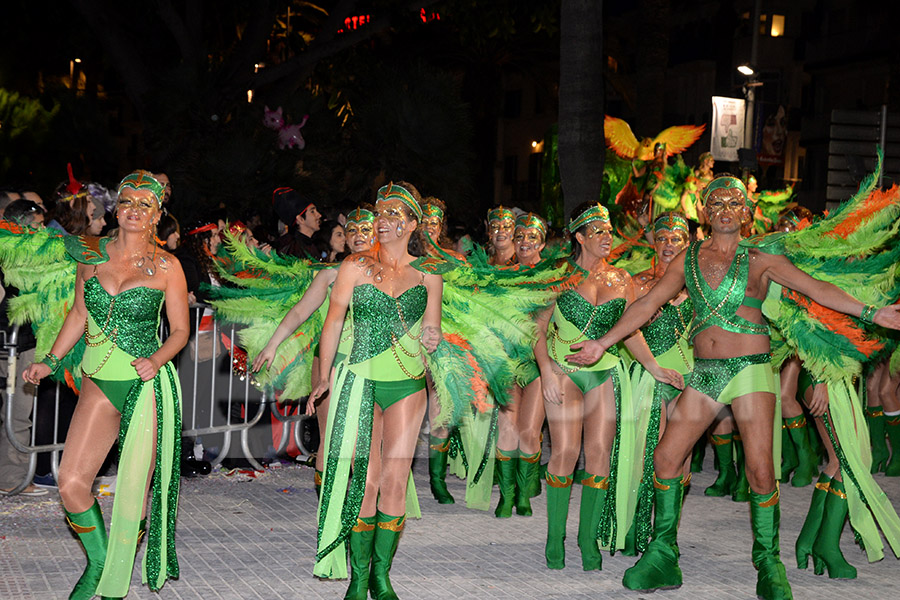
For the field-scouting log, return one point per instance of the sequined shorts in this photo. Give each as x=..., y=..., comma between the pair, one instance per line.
x=724, y=379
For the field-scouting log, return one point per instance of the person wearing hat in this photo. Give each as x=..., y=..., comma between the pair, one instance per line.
x=302, y=219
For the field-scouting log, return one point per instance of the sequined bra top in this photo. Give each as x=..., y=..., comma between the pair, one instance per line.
x=663, y=332
x=130, y=319
x=592, y=320
x=379, y=319
x=718, y=307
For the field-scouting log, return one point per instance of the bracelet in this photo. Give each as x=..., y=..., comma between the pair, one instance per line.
x=52, y=361
x=867, y=315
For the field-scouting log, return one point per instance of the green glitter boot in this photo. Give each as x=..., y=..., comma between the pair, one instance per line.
x=506, y=473
x=593, y=496
x=527, y=484
x=880, y=453
x=386, y=538
x=658, y=568
x=437, y=469
x=765, y=516
x=741, y=492
x=807, y=537
x=91, y=531
x=724, y=484
x=892, y=426
x=360, y=545
x=559, y=490
x=826, y=550
x=697, y=456
x=807, y=461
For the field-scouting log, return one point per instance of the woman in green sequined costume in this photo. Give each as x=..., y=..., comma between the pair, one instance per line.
x=589, y=401
x=378, y=396
x=129, y=392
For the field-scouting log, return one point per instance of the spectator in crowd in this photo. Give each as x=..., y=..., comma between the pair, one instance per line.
x=169, y=232
x=302, y=219
x=331, y=239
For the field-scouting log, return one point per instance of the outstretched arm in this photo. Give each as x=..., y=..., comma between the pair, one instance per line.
x=334, y=323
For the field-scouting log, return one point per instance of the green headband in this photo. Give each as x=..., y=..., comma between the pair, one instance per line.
x=433, y=210
x=143, y=180
x=500, y=213
x=532, y=221
x=726, y=182
x=392, y=191
x=595, y=212
x=671, y=221
x=360, y=215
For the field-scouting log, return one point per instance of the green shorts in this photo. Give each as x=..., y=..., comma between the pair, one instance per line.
x=587, y=380
x=387, y=393
x=724, y=379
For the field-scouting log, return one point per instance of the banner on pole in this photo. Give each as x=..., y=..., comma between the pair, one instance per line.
x=727, y=128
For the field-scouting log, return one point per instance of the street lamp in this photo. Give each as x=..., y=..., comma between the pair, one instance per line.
x=746, y=70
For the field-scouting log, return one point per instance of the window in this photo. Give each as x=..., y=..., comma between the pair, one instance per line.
x=777, y=25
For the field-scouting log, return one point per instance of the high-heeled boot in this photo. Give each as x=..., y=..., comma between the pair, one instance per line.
x=506, y=481
x=807, y=537
x=437, y=469
x=880, y=453
x=741, y=491
x=384, y=546
x=527, y=483
x=559, y=490
x=826, y=550
x=658, y=567
x=765, y=517
x=593, y=496
x=91, y=531
x=724, y=484
x=807, y=461
x=892, y=427
x=362, y=537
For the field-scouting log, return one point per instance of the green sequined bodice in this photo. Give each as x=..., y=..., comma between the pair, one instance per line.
x=665, y=330
x=130, y=319
x=718, y=307
x=593, y=320
x=379, y=318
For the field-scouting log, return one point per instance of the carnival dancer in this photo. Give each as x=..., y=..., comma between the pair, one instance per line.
x=520, y=421
x=587, y=398
x=726, y=282
x=379, y=401
x=129, y=392
x=501, y=230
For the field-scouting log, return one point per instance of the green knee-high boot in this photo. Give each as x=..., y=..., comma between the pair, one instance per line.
x=91, y=532
x=384, y=546
x=810, y=530
x=807, y=460
x=880, y=454
x=765, y=517
x=892, y=426
x=507, y=462
x=697, y=455
x=658, y=567
x=527, y=483
x=724, y=484
x=593, y=495
x=437, y=469
x=741, y=491
x=317, y=481
x=826, y=550
x=789, y=460
x=559, y=490
x=360, y=543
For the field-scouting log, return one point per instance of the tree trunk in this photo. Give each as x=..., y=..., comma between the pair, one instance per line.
x=581, y=141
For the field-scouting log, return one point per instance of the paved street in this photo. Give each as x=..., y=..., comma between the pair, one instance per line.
x=240, y=537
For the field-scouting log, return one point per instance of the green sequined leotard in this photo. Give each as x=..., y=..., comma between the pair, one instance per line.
x=120, y=328
x=385, y=364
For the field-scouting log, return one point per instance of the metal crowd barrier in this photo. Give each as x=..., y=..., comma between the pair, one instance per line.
x=203, y=414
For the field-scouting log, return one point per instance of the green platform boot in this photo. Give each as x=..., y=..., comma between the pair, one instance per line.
x=507, y=461
x=593, y=496
x=658, y=568
x=384, y=546
x=807, y=537
x=697, y=455
x=527, y=483
x=360, y=543
x=437, y=469
x=741, y=492
x=765, y=517
x=789, y=460
x=807, y=460
x=826, y=550
x=91, y=531
x=892, y=427
x=880, y=453
x=724, y=484
x=559, y=490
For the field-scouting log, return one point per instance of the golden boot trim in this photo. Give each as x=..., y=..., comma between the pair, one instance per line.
x=530, y=458
x=838, y=493
x=658, y=485
x=393, y=524
x=686, y=480
x=363, y=526
x=796, y=425
x=443, y=447
x=594, y=482
x=501, y=456
x=79, y=528
x=771, y=501
x=893, y=421
x=719, y=440
x=559, y=481
x=825, y=486
x=318, y=478
x=876, y=413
